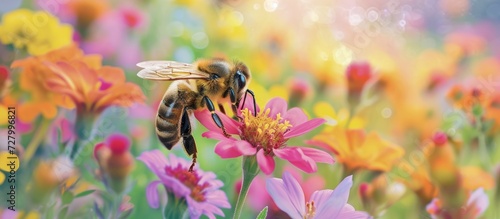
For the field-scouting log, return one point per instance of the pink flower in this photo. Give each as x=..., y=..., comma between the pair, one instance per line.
x=257, y=199
x=476, y=205
x=266, y=135
x=288, y=195
x=132, y=17
x=61, y=130
x=200, y=189
x=358, y=74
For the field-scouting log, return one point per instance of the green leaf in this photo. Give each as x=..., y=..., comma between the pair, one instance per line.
x=67, y=198
x=262, y=214
x=84, y=193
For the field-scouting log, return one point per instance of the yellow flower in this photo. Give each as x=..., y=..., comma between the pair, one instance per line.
x=337, y=119
x=356, y=150
x=8, y=163
x=34, y=76
x=48, y=175
x=37, y=32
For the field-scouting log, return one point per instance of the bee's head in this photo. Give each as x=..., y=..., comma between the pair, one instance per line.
x=241, y=78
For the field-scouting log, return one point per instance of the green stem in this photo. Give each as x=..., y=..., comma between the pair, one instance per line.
x=352, y=111
x=117, y=199
x=483, y=150
x=84, y=131
x=41, y=133
x=250, y=170
x=175, y=208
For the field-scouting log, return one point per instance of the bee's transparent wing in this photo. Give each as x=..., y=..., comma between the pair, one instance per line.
x=169, y=70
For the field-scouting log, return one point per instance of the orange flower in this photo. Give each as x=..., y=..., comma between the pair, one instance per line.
x=33, y=80
x=465, y=98
x=87, y=11
x=356, y=150
x=421, y=183
x=92, y=89
x=474, y=178
x=493, y=111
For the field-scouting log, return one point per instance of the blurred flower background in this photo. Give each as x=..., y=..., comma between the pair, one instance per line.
x=404, y=96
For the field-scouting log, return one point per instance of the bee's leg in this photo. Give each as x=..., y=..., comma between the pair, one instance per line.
x=187, y=138
x=254, y=104
x=215, y=117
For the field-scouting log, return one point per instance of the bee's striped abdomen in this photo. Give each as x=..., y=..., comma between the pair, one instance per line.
x=168, y=121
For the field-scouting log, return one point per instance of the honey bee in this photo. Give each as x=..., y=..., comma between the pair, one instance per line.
x=195, y=86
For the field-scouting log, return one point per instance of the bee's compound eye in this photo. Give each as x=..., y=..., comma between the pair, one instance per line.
x=214, y=76
x=240, y=79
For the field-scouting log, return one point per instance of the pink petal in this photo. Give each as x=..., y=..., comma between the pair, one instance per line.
x=155, y=161
x=66, y=130
x=320, y=144
x=295, y=193
x=233, y=148
x=296, y=157
x=295, y=116
x=318, y=155
x=321, y=196
x=276, y=189
x=349, y=212
x=152, y=194
x=215, y=135
x=304, y=127
x=332, y=207
x=266, y=163
x=205, y=118
x=478, y=201
x=276, y=105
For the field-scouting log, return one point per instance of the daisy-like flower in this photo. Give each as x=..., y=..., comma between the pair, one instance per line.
x=288, y=195
x=200, y=189
x=93, y=90
x=265, y=135
x=34, y=76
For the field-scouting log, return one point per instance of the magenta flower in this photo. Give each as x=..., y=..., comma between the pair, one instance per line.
x=476, y=205
x=289, y=197
x=200, y=189
x=265, y=135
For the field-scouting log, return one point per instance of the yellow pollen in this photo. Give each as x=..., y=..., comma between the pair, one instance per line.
x=310, y=210
x=263, y=131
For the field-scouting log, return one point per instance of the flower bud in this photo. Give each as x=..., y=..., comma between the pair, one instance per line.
x=357, y=75
x=48, y=175
x=300, y=89
x=4, y=79
x=445, y=173
x=115, y=160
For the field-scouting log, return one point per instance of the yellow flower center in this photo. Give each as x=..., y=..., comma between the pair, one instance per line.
x=310, y=210
x=262, y=131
